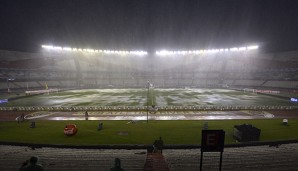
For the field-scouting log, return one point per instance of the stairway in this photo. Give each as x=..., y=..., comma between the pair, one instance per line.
x=155, y=162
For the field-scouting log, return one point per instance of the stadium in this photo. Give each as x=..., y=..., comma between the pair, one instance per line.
x=163, y=85
x=60, y=84
x=164, y=82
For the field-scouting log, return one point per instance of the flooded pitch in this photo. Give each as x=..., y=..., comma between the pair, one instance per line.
x=202, y=115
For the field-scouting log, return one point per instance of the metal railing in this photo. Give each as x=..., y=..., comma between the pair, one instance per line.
x=144, y=108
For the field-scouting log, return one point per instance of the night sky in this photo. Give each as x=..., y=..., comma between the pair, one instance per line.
x=148, y=24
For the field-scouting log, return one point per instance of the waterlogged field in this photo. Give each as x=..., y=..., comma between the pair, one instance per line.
x=219, y=97
x=158, y=97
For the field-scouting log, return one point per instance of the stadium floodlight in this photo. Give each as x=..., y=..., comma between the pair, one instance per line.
x=47, y=46
x=242, y=48
x=143, y=53
x=139, y=53
x=184, y=52
x=162, y=52
x=66, y=48
x=252, y=47
x=57, y=47
x=214, y=50
x=118, y=52
x=179, y=52
x=233, y=49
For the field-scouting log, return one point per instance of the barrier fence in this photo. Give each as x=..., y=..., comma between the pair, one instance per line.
x=145, y=108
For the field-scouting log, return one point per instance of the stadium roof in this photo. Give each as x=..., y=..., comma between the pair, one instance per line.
x=148, y=24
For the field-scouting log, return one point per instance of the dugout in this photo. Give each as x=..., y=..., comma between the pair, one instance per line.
x=246, y=132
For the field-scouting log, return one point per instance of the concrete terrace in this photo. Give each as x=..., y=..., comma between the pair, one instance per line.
x=285, y=157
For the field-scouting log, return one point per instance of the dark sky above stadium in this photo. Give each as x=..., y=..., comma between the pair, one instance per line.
x=148, y=24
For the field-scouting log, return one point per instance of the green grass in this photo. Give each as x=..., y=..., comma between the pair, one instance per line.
x=173, y=132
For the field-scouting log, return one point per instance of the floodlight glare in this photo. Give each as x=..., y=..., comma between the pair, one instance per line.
x=47, y=46
x=67, y=48
x=161, y=52
x=139, y=53
x=50, y=47
x=252, y=47
x=57, y=47
x=242, y=48
x=234, y=49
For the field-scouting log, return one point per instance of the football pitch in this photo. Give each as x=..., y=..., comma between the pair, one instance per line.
x=152, y=96
x=124, y=132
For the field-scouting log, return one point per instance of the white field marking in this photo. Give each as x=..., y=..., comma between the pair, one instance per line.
x=29, y=116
